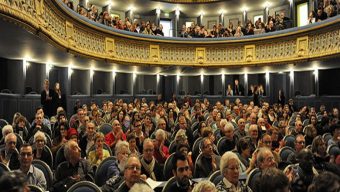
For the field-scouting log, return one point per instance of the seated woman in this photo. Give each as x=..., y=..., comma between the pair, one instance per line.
x=39, y=150
x=97, y=155
x=122, y=153
x=60, y=138
x=230, y=169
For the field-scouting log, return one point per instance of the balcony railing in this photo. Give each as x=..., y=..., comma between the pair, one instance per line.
x=66, y=28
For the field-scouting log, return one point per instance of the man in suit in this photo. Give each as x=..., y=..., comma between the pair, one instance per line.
x=9, y=155
x=238, y=88
x=47, y=99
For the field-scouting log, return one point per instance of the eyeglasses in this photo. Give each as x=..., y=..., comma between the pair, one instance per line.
x=267, y=142
x=133, y=168
x=301, y=142
x=182, y=169
x=39, y=141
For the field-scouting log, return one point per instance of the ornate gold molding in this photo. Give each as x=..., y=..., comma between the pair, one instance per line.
x=68, y=30
x=154, y=53
x=200, y=55
x=110, y=46
x=249, y=53
x=302, y=46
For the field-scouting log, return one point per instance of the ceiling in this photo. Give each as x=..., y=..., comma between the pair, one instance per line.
x=145, y=7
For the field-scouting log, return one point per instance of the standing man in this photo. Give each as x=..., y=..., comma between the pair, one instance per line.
x=47, y=99
x=238, y=88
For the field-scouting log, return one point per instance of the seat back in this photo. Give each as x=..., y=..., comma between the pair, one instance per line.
x=34, y=188
x=168, y=184
x=196, y=149
x=220, y=145
x=172, y=146
x=3, y=169
x=20, y=141
x=290, y=141
x=333, y=149
x=105, y=128
x=101, y=173
x=167, y=169
x=46, y=170
x=84, y=186
x=252, y=179
x=285, y=152
x=59, y=157
x=216, y=177
x=326, y=137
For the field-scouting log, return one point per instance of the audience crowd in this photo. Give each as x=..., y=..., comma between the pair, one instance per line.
x=326, y=9
x=119, y=145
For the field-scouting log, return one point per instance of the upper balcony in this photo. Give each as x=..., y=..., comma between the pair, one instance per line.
x=66, y=29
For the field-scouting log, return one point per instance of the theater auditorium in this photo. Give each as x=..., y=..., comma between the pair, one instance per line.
x=169, y=95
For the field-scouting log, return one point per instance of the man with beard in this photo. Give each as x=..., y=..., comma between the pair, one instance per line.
x=182, y=173
x=301, y=175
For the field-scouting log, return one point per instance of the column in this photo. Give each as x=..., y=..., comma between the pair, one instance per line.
x=158, y=16
x=200, y=20
x=316, y=5
x=245, y=84
x=292, y=12
x=134, y=77
x=158, y=79
x=316, y=75
x=221, y=18
x=129, y=14
x=291, y=85
x=265, y=14
x=24, y=69
x=178, y=77
x=202, y=84
x=223, y=84
x=177, y=13
x=91, y=81
x=113, y=82
x=267, y=87
x=245, y=17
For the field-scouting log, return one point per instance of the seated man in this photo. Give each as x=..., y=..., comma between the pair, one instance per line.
x=150, y=167
x=132, y=175
x=34, y=175
x=87, y=140
x=182, y=173
x=74, y=169
x=209, y=162
x=299, y=145
x=39, y=126
x=301, y=175
x=9, y=155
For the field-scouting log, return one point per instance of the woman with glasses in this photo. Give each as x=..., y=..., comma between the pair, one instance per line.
x=230, y=170
x=40, y=150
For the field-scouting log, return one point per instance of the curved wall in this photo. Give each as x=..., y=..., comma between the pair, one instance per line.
x=65, y=28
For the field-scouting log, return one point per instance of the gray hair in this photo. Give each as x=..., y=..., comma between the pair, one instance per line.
x=67, y=148
x=147, y=140
x=260, y=154
x=226, y=157
x=7, y=128
x=161, y=133
x=10, y=135
x=228, y=126
x=120, y=145
x=203, y=186
x=39, y=134
x=141, y=187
